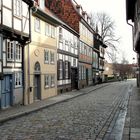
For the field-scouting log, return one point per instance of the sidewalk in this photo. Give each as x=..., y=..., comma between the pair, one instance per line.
x=132, y=122
x=17, y=111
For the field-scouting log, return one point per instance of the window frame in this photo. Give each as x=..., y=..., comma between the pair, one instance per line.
x=52, y=80
x=10, y=50
x=52, y=57
x=37, y=25
x=46, y=81
x=18, y=8
x=18, y=79
x=46, y=56
x=18, y=51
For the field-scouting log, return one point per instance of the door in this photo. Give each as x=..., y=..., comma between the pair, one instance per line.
x=74, y=79
x=37, y=87
x=87, y=76
x=6, y=95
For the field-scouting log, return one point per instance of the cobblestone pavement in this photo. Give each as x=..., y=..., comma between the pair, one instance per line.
x=81, y=118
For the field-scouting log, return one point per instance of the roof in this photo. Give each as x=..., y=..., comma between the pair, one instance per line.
x=130, y=9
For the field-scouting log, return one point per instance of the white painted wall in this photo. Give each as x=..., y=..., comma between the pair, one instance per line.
x=7, y=3
x=7, y=17
x=17, y=24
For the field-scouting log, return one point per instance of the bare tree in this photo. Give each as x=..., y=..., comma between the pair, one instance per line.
x=105, y=26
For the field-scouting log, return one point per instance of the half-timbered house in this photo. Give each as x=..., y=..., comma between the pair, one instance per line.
x=14, y=35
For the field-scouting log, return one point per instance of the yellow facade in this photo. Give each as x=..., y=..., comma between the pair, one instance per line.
x=35, y=53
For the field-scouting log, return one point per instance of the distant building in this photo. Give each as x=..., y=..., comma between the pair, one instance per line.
x=132, y=13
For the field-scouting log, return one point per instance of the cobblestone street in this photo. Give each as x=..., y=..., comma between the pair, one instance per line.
x=81, y=118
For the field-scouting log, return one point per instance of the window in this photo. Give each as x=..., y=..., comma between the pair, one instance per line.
x=17, y=8
x=80, y=73
x=46, y=81
x=74, y=62
x=10, y=51
x=37, y=25
x=46, y=55
x=53, y=31
x=52, y=80
x=60, y=35
x=52, y=57
x=18, y=79
x=60, y=69
x=48, y=30
x=37, y=67
x=18, y=52
x=66, y=70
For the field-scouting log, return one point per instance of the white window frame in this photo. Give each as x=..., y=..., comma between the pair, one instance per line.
x=61, y=70
x=52, y=57
x=46, y=56
x=48, y=29
x=46, y=81
x=52, y=80
x=66, y=69
x=37, y=24
x=53, y=32
x=18, y=8
x=10, y=50
x=18, y=52
x=18, y=79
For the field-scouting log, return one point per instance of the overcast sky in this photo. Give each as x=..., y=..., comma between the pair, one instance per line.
x=116, y=10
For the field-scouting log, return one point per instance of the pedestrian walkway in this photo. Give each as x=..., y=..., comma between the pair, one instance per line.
x=132, y=122
x=17, y=111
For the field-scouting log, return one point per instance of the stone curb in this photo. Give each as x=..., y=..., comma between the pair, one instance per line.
x=16, y=115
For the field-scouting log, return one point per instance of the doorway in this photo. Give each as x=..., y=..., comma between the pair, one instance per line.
x=6, y=95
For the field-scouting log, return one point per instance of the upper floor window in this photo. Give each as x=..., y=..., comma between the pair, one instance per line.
x=18, y=52
x=17, y=8
x=53, y=32
x=46, y=53
x=52, y=57
x=60, y=35
x=48, y=30
x=37, y=24
x=10, y=50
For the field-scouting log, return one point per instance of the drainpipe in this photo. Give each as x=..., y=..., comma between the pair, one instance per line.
x=138, y=77
x=28, y=65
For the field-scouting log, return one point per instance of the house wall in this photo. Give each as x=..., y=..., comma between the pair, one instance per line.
x=35, y=52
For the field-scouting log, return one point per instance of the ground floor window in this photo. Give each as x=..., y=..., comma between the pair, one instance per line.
x=49, y=80
x=18, y=79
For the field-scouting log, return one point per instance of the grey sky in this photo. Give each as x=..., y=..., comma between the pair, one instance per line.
x=116, y=10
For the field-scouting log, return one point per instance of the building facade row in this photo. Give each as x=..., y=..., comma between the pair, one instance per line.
x=47, y=48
